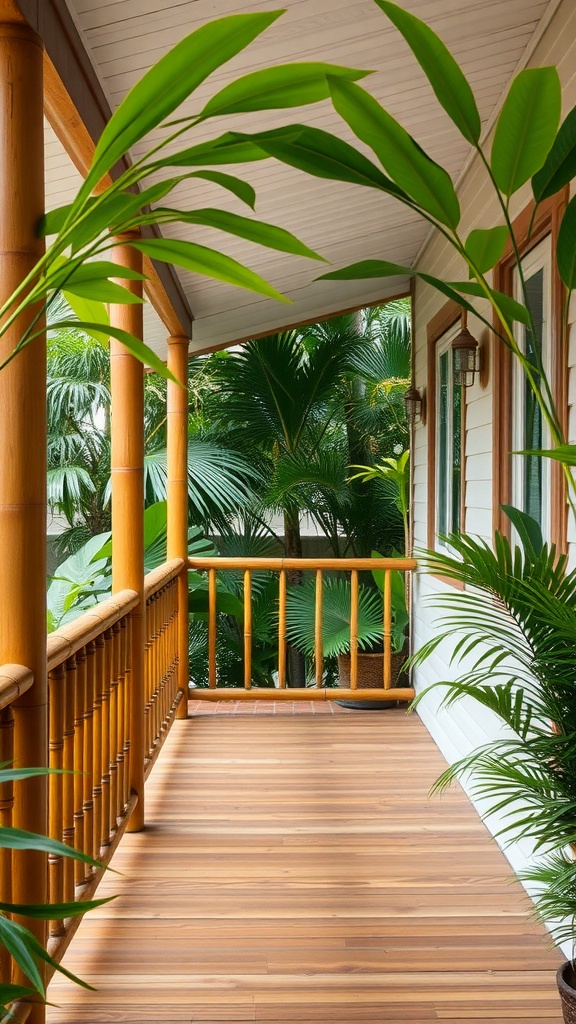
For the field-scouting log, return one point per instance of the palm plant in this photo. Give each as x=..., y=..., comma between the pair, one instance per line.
x=516, y=630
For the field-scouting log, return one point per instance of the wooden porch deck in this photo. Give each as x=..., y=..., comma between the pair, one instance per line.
x=294, y=870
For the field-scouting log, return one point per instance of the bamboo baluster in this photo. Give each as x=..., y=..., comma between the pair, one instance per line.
x=88, y=766
x=177, y=494
x=148, y=673
x=212, y=628
x=120, y=719
x=57, y=703
x=353, y=629
x=154, y=678
x=79, y=705
x=282, y=630
x=106, y=687
x=68, y=830
x=113, y=767
x=387, y=628
x=97, y=741
x=6, y=805
x=128, y=648
x=318, y=646
x=160, y=665
x=247, y=630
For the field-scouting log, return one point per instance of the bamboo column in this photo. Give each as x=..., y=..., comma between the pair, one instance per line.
x=177, y=412
x=127, y=428
x=23, y=433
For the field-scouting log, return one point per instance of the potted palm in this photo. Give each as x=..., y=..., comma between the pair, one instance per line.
x=522, y=603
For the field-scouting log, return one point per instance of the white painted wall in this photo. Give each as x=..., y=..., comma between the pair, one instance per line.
x=467, y=725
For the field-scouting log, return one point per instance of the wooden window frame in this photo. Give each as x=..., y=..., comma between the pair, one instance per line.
x=547, y=223
x=441, y=323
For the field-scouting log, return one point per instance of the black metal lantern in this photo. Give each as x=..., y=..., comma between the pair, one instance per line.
x=413, y=404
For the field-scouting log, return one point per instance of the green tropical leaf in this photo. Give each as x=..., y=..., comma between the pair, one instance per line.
x=39, y=951
x=485, y=246
x=286, y=85
x=325, y=156
x=133, y=344
x=300, y=605
x=102, y=291
x=447, y=80
x=53, y=911
x=253, y=230
x=559, y=168
x=526, y=127
x=88, y=311
x=511, y=309
x=566, y=246
x=169, y=82
x=19, y=839
x=15, y=940
x=241, y=189
x=381, y=268
x=10, y=993
x=527, y=529
x=564, y=453
x=201, y=260
x=226, y=149
x=408, y=165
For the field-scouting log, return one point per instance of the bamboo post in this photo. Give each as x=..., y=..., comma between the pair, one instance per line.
x=177, y=547
x=282, y=629
x=23, y=448
x=353, y=629
x=318, y=648
x=387, y=628
x=127, y=423
x=247, y=629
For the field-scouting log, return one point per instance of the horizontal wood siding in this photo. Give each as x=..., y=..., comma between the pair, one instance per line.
x=467, y=725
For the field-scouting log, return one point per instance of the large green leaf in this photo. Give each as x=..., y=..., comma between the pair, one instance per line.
x=241, y=189
x=324, y=155
x=102, y=291
x=485, y=246
x=411, y=168
x=201, y=260
x=559, y=167
x=336, y=597
x=169, y=82
x=15, y=940
x=53, y=911
x=286, y=85
x=226, y=149
x=526, y=127
x=511, y=309
x=566, y=246
x=446, y=78
x=10, y=993
x=564, y=453
x=19, y=839
x=527, y=528
x=381, y=268
x=133, y=344
x=253, y=230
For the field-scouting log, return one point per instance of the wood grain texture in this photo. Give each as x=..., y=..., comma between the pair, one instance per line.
x=293, y=869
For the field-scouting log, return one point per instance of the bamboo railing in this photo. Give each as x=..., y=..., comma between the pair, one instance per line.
x=283, y=567
x=91, y=725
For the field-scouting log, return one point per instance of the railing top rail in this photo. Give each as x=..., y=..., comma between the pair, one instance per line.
x=161, y=576
x=68, y=639
x=14, y=681
x=277, y=564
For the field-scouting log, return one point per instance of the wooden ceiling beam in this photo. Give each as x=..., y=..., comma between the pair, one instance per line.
x=77, y=110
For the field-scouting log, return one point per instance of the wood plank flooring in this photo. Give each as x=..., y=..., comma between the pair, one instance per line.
x=295, y=870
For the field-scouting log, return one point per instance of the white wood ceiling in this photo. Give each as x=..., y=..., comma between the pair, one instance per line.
x=343, y=223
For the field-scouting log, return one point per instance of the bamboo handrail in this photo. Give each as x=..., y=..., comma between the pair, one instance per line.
x=159, y=577
x=276, y=564
x=67, y=640
x=14, y=681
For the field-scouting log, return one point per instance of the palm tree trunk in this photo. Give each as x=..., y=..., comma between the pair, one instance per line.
x=296, y=675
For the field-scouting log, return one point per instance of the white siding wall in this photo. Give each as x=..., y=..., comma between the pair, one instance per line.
x=468, y=725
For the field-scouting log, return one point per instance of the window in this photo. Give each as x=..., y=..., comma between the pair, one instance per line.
x=531, y=483
x=449, y=440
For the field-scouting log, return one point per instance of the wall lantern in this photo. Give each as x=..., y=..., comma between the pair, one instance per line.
x=415, y=405
x=466, y=355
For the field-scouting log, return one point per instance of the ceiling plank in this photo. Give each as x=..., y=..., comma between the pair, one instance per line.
x=77, y=109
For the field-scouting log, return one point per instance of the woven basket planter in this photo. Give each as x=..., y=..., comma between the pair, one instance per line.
x=566, y=979
x=370, y=670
